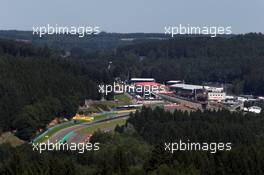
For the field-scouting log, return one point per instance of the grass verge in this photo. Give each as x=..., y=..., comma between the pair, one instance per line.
x=102, y=126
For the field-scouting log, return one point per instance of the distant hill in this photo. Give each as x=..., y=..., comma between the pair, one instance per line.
x=107, y=42
x=89, y=43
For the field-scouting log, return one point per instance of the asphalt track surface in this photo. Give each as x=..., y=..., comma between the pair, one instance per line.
x=81, y=137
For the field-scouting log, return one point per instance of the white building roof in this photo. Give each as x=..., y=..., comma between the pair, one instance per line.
x=255, y=107
x=187, y=86
x=142, y=79
x=174, y=81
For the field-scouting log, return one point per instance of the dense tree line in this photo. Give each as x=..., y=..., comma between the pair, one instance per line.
x=245, y=132
x=138, y=151
x=22, y=49
x=236, y=60
x=33, y=76
x=209, y=126
x=35, y=87
x=117, y=155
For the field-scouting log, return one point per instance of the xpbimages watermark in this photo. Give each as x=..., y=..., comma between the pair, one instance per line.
x=190, y=146
x=213, y=31
x=125, y=88
x=79, y=147
x=80, y=31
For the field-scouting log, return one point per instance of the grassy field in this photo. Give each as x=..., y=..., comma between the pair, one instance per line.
x=123, y=98
x=100, y=106
x=102, y=126
x=10, y=138
x=102, y=116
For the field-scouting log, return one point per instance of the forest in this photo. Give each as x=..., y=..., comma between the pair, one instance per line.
x=37, y=84
x=35, y=88
x=137, y=148
x=235, y=60
x=37, y=76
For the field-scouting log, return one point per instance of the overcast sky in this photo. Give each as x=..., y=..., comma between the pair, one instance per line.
x=134, y=15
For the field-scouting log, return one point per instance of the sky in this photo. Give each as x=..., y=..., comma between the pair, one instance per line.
x=133, y=16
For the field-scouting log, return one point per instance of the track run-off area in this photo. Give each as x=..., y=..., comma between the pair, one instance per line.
x=79, y=132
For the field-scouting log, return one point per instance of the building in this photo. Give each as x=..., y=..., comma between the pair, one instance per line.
x=253, y=109
x=199, y=92
x=187, y=86
x=172, y=82
x=216, y=96
x=214, y=89
x=188, y=90
x=148, y=90
x=135, y=80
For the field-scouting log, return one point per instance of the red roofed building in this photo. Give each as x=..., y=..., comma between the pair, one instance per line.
x=148, y=84
x=150, y=89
